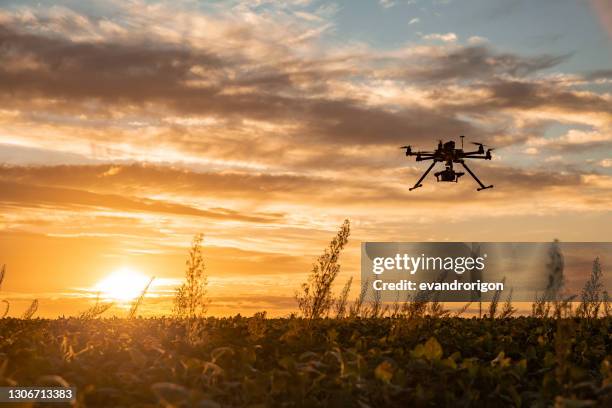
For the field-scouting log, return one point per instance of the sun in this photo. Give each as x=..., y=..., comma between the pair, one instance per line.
x=122, y=285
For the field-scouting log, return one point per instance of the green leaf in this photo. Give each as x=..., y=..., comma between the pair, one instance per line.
x=501, y=360
x=432, y=350
x=384, y=371
x=450, y=363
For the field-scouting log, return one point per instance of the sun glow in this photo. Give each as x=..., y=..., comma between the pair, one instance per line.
x=122, y=285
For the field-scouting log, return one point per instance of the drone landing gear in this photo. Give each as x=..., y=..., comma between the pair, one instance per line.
x=418, y=183
x=482, y=186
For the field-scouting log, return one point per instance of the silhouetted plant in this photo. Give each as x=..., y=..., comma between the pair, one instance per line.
x=417, y=305
x=437, y=310
x=342, y=299
x=257, y=326
x=395, y=311
x=606, y=304
x=508, y=310
x=463, y=309
x=476, y=276
x=494, y=302
x=6, y=302
x=555, y=268
x=563, y=308
x=355, y=309
x=136, y=304
x=315, y=299
x=375, y=307
x=97, y=309
x=190, y=298
x=540, y=308
x=591, y=296
x=555, y=280
x=29, y=313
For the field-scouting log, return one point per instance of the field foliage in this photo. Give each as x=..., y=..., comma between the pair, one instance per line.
x=257, y=362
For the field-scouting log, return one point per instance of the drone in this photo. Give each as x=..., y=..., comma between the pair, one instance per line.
x=447, y=153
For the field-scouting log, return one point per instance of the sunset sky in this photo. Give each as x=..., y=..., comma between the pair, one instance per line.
x=127, y=127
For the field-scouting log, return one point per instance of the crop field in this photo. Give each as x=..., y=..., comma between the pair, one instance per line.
x=259, y=362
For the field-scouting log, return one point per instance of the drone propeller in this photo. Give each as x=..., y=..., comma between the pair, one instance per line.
x=408, y=149
x=482, y=144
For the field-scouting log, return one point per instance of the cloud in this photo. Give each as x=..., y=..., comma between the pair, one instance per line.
x=555, y=158
x=299, y=116
x=599, y=75
x=18, y=155
x=386, y=3
x=607, y=163
x=448, y=37
x=414, y=20
x=283, y=119
x=128, y=188
x=112, y=71
x=544, y=99
x=300, y=97
x=78, y=73
x=574, y=141
x=475, y=40
x=136, y=179
x=478, y=62
x=22, y=195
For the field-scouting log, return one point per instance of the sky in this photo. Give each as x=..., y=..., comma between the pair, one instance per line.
x=127, y=127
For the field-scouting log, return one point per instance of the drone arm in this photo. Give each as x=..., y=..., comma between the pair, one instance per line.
x=482, y=186
x=418, y=183
x=421, y=158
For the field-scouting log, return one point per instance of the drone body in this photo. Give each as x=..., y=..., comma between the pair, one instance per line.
x=447, y=153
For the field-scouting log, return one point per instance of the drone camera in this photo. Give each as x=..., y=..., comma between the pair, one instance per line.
x=448, y=175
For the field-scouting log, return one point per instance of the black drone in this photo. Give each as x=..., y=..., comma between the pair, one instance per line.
x=447, y=154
